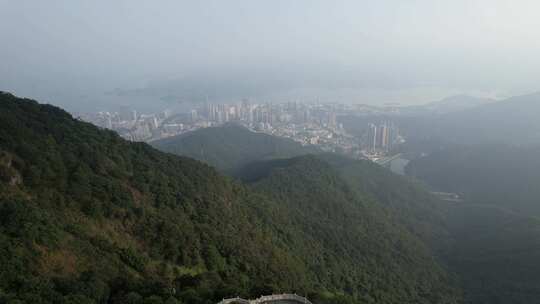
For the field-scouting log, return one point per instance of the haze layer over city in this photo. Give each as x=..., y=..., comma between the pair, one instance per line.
x=72, y=53
x=269, y=152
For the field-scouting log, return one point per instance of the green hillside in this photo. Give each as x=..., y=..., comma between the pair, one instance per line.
x=320, y=199
x=492, y=251
x=231, y=146
x=87, y=217
x=405, y=200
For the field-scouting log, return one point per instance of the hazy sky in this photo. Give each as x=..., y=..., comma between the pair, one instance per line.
x=365, y=51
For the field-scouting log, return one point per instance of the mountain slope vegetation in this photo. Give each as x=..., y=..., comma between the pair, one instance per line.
x=87, y=217
x=79, y=203
x=320, y=199
x=489, y=241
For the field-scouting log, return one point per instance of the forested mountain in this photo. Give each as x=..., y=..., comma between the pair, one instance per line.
x=405, y=201
x=367, y=179
x=487, y=246
x=87, y=217
x=319, y=198
x=231, y=146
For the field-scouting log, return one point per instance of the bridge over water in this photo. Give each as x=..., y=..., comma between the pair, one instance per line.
x=285, y=298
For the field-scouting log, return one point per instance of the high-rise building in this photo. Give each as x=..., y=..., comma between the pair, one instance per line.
x=194, y=115
x=332, y=121
x=372, y=137
x=381, y=137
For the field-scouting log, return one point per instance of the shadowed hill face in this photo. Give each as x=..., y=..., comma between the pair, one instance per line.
x=87, y=216
x=231, y=146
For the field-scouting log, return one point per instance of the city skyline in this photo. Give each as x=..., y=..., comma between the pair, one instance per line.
x=307, y=123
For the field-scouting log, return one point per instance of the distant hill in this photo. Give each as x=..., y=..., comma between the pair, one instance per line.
x=512, y=121
x=87, y=217
x=231, y=146
x=457, y=103
x=449, y=105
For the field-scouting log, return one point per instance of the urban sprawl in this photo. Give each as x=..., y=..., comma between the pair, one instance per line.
x=307, y=123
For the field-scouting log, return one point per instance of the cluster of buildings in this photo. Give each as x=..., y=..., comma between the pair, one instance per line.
x=314, y=123
x=306, y=123
x=263, y=114
x=129, y=123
